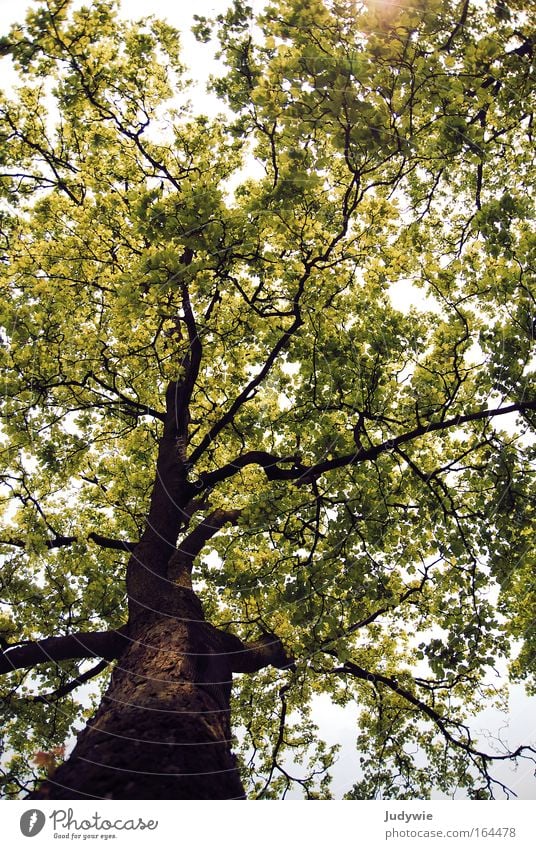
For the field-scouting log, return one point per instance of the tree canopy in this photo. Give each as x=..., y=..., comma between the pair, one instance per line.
x=361, y=471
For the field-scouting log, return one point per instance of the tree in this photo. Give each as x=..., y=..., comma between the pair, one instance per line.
x=226, y=450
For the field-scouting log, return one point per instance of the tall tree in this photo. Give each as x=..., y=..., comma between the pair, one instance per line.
x=227, y=447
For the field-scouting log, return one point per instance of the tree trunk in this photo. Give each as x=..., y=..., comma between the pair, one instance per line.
x=162, y=730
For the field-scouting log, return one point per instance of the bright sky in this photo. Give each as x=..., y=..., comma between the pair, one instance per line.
x=337, y=724
x=177, y=13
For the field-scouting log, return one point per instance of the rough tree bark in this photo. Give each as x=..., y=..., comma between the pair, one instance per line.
x=162, y=730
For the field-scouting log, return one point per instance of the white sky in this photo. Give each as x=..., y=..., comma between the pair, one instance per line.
x=337, y=725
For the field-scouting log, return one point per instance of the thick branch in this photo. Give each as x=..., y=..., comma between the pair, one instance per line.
x=181, y=562
x=57, y=542
x=109, y=542
x=171, y=491
x=105, y=644
x=259, y=458
x=62, y=542
x=460, y=24
x=194, y=542
x=179, y=392
x=306, y=474
x=170, y=495
x=47, y=698
x=372, y=453
x=196, y=348
x=268, y=650
x=441, y=721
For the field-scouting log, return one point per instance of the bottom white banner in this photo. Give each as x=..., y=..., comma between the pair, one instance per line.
x=258, y=825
